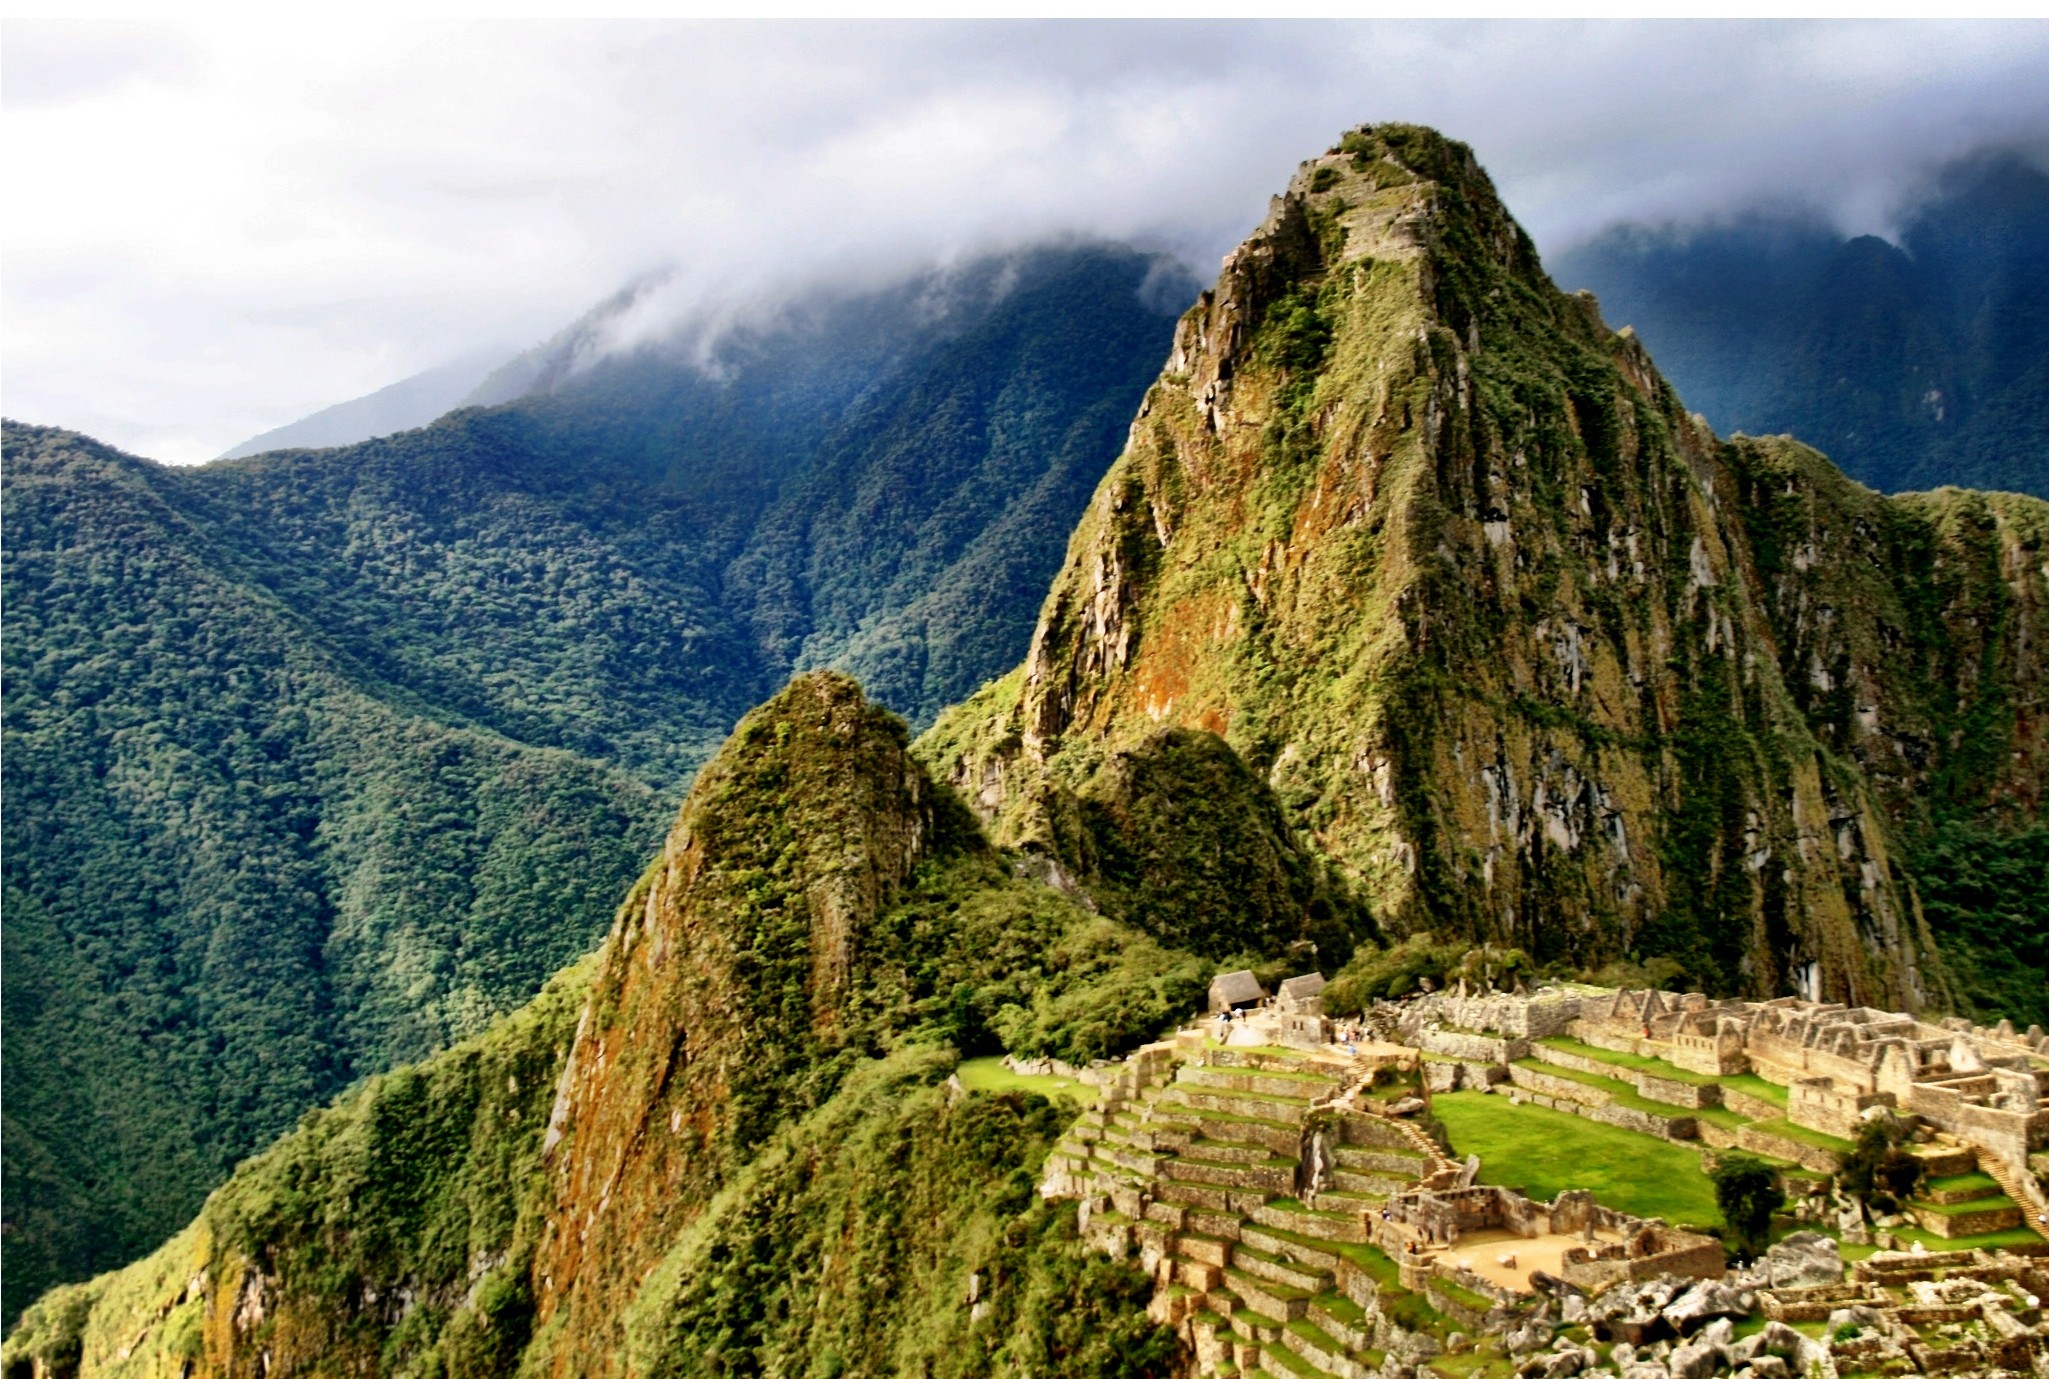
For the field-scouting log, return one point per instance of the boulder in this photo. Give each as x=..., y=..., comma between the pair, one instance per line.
x=1567, y=1363
x=1696, y=1360
x=1798, y=1350
x=1702, y=1303
x=1770, y=1367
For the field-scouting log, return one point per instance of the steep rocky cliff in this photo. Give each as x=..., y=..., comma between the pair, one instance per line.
x=1520, y=644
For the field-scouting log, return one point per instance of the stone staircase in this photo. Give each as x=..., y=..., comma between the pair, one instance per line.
x=2021, y=1186
x=1249, y=1184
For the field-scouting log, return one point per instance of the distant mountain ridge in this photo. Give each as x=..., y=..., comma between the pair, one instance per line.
x=1911, y=365
x=401, y=406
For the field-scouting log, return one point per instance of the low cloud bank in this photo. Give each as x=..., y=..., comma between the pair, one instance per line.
x=218, y=230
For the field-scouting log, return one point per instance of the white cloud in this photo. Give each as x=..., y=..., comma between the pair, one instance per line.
x=215, y=229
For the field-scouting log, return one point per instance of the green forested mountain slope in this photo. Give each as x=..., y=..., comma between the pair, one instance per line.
x=241, y=868
x=318, y=760
x=1912, y=364
x=725, y=1144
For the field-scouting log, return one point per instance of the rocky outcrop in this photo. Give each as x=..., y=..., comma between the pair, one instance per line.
x=694, y=1041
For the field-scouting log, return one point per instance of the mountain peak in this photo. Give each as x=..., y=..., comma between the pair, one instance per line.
x=1446, y=562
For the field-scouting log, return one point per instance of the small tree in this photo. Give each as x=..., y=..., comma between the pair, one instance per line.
x=1748, y=1192
x=1877, y=1171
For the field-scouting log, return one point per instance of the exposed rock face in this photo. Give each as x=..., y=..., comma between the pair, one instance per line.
x=691, y=1048
x=1523, y=646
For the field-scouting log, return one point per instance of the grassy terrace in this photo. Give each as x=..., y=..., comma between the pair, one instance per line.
x=1960, y=1182
x=1622, y=1093
x=1279, y=1074
x=1819, y=1139
x=1752, y=1085
x=989, y=1075
x=1995, y=1240
x=1546, y=1152
x=1748, y=1083
x=1635, y=1062
x=1964, y=1208
x=1462, y=1295
x=1183, y=1109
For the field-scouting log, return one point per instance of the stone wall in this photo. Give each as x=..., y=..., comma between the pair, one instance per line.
x=1481, y=1048
x=1949, y=1225
x=1648, y=1252
x=1818, y=1104
x=1555, y=1087
x=1780, y=1147
x=1692, y=1095
x=1750, y=1107
x=1516, y=1017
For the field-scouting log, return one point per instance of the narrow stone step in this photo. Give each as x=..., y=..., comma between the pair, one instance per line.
x=1207, y=1249
x=1344, y=1319
x=1284, y=1363
x=1288, y=1110
x=1225, y=1151
x=1265, y=1296
x=1373, y=1184
x=1265, y=1177
x=1363, y=1158
x=1223, y=1224
x=1320, y=1350
x=1310, y=1253
x=1276, y=1268
x=1323, y=1225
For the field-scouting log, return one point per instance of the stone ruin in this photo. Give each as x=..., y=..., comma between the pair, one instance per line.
x=1985, y=1087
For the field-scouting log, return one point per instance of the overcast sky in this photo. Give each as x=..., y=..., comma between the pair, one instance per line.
x=212, y=230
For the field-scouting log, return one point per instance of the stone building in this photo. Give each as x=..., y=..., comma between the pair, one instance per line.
x=1234, y=991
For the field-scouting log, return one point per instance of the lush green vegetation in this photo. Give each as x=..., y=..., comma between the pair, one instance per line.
x=1986, y=895
x=842, y=1210
x=240, y=872
x=1747, y=1192
x=1376, y=973
x=1878, y=1171
x=317, y=761
x=1546, y=1152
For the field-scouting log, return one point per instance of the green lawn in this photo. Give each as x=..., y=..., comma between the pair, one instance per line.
x=1546, y=1152
x=989, y=1075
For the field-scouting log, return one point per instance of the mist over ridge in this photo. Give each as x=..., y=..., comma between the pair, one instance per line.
x=361, y=231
